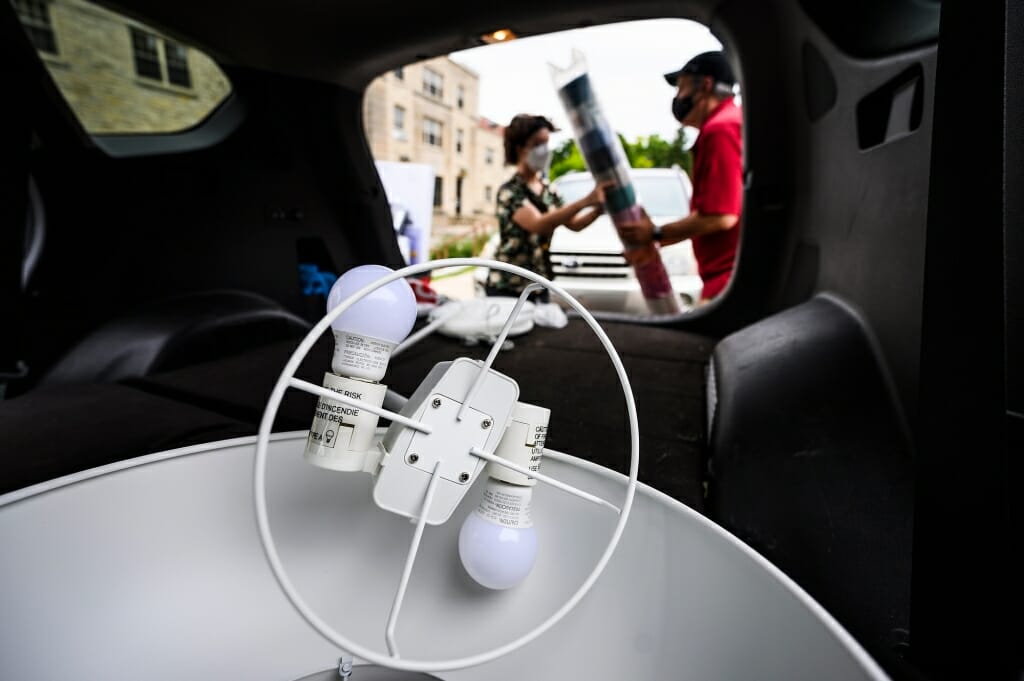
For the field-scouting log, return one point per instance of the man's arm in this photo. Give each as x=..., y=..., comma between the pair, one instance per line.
x=697, y=224
x=641, y=231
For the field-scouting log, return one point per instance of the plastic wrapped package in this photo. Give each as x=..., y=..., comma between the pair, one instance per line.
x=607, y=162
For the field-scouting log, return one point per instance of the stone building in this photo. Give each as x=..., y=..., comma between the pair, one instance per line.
x=428, y=113
x=118, y=75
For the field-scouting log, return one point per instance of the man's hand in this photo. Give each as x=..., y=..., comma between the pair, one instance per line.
x=639, y=232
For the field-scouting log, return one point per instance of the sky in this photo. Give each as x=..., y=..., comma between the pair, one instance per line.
x=626, y=63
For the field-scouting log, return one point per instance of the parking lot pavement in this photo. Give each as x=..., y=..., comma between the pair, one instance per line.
x=455, y=282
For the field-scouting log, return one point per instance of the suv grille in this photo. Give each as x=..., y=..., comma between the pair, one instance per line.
x=589, y=265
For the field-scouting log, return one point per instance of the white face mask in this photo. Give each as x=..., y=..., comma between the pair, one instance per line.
x=539, y=158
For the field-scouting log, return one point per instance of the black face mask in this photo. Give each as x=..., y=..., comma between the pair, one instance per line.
x=681, y=106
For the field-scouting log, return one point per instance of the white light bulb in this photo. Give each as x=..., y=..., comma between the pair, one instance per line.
x=497, y=542
x=367, y=332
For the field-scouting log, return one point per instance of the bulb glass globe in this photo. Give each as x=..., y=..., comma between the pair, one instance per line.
x=497, y=542
x=367, y=332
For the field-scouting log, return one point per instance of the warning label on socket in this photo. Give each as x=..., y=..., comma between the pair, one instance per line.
x=540, y=434
x=509, y=509
x=328, y=431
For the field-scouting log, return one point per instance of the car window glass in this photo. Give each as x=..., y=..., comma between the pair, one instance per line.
x=120, y=76
x=661, y=195
x=658, y=195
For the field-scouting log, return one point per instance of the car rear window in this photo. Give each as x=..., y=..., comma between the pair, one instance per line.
x=118, y=75
x=658, y=195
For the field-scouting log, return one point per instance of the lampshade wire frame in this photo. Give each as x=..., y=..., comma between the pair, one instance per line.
x=416, y=337
x=320, y=391
x=284, y=381
x=495, y=348
x=540, y=477
x=414, y=547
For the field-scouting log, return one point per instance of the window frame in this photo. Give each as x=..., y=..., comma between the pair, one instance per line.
x=428, y=137
x=176, y=75
x=181, y=65
x=438, y=191
x=433, y=83
x=37, y=25
x=138, y=35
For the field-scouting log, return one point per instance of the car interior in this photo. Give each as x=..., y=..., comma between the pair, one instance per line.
x=852, y=408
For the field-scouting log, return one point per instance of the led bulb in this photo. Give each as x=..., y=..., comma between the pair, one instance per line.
x=497, y=542
x=367, y=332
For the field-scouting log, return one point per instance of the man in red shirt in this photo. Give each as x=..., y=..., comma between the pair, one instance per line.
x=704, y=99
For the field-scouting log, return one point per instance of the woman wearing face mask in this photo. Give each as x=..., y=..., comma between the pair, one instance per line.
x=528, y=208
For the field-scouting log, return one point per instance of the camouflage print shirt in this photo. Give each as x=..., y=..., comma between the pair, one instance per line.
x=519, y=247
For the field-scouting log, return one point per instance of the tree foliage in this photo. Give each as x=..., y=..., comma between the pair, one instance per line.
x=645, y=152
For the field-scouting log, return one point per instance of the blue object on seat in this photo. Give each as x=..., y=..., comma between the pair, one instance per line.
x=314, y=282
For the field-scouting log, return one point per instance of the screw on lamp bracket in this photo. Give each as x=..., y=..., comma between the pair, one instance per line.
x=413, y=458
x=463, y=477
x=485, y=424
x=345, y=667
x=436, y=403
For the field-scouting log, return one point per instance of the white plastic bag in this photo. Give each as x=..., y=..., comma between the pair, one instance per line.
x=550, y=315
x=482, y=318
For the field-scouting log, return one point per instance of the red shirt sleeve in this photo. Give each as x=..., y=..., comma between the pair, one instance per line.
x=718, y=179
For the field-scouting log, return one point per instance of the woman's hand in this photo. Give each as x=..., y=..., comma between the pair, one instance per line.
x=595, y=198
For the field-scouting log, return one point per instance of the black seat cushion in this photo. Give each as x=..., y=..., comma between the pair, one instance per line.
x=173, y=333
x=562, y=369
x=56, y=431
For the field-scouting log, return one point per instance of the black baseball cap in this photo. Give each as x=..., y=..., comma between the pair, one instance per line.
x=712, y=64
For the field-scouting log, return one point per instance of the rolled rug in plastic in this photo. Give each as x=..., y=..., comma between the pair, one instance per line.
x=607, y=162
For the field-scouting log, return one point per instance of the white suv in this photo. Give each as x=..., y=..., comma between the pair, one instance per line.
x=589, y=264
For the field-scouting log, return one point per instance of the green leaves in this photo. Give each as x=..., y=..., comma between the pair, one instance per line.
x=645, y=152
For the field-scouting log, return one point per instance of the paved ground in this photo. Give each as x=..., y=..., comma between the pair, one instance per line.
x=457, y=283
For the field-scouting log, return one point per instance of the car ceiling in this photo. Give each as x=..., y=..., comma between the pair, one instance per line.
x=350, y=45
x=340, y=43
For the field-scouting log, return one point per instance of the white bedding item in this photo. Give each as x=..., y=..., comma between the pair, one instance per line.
x=480, y=318
x=550, y=315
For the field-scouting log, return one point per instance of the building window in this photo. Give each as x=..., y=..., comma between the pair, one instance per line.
x=431, y=132
x=147, y=49
x=35, y=17
x=487, y=193
x=399, y=73
x=437, y=192
x=460, y=98
x=398, y=123
x=489, y=156
x=458, y=141
x=433, y=83
x=177, y=64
